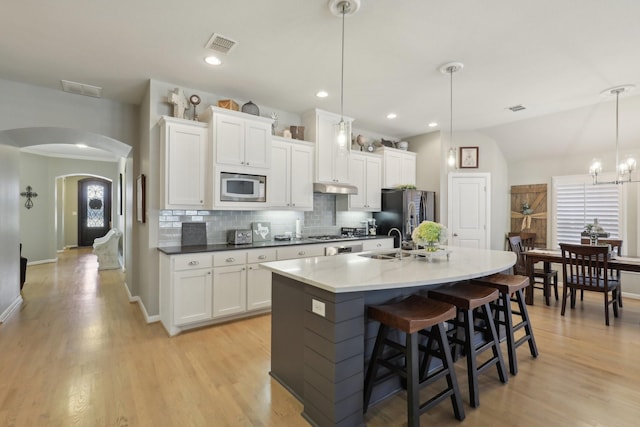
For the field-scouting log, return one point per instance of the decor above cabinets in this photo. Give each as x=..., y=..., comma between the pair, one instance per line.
x=291, y=180
x=185, y=179
x=398, y=167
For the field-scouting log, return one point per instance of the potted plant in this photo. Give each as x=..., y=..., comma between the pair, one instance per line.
x=429, y=235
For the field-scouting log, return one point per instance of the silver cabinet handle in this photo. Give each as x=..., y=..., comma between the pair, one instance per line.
x=194, y=262
x=262, y=257
x=301, y=253
x=455, y=234
x=244, y=268
x=379, y=244
x=230, y=259
x=208, y=272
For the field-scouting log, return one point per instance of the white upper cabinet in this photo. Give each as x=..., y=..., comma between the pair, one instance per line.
x=365, y=172
x=321, y=128
x=240, y=139
x=399, y=167
x=291, y=179
x=184, y=153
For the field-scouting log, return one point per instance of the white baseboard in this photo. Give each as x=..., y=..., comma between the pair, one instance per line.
x=15, y=304
x=147, y=318
x=43, y=261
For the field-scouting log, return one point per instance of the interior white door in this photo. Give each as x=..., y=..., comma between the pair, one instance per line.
x=469, y=210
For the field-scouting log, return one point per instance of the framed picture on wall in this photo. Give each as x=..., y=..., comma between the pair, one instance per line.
x=468, y=157
x=140, y=199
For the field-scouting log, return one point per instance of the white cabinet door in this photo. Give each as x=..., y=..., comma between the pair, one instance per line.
x=257, y=144
x=409, y=168
x=280, y=179
x=373, y=180
x=399, y=168
x=370, y=245
x=192, y=292
x=365, y=172
x=229, y=290
x=184, y=153
x=301, y=179
x=258, y=287
x=392, y=169
x=229, y=139
x=331, y=166
x=358, y=177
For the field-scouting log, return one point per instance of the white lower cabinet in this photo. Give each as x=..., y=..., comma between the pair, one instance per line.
x=229, y=290
x=207, y=288
x=371, y=245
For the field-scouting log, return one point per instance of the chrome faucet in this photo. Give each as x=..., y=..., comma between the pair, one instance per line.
x=399, y=241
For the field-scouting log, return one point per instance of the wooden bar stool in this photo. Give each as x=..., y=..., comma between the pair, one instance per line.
x=511, y=290
x=472, y=300
x=413, y=315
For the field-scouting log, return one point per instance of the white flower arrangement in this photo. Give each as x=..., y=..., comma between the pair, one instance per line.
x=429, y=232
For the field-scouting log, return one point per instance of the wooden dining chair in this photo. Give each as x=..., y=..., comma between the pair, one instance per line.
x=548, y=278
x=585, y=268
x=616, y=247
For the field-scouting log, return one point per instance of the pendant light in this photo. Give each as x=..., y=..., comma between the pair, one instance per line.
x=450, y=68
x=625, y=168
x=343, y=8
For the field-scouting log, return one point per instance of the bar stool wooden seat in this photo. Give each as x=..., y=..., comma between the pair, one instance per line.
x=511, y=290
x=472, y=300
x=414, y=315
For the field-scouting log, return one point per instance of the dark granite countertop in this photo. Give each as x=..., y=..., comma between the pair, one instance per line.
x=177, y=250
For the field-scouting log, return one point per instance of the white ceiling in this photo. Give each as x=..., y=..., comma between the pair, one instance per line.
x=550, y=56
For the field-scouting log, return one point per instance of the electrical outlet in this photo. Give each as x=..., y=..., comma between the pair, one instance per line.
x=317, y=307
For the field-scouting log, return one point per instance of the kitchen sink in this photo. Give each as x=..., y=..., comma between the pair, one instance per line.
x=385, y=255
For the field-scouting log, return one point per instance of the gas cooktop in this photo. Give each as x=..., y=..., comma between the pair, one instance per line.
x=333, y=237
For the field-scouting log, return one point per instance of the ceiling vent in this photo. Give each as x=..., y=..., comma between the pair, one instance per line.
x=517, y=108
x=220, y=43
x=81, y=89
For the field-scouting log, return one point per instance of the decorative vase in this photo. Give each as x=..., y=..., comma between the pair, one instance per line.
x=429, y=245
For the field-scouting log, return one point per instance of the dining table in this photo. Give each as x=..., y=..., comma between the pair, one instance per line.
x=549, y=256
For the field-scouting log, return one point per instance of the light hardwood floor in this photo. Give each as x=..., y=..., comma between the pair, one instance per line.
x=77, y=353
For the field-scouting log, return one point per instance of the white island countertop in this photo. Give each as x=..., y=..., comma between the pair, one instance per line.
x=356, y=273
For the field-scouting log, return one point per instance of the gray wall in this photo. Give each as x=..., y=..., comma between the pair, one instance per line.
x=9, y=227
x=38, y=224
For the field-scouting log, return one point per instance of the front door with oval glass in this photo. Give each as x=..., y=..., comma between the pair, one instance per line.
x=94, y=209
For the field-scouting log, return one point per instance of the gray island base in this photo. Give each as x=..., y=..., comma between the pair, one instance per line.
x=320, y=336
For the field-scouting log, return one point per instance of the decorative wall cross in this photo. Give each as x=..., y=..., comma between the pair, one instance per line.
x=179, y=101
x=29, y=195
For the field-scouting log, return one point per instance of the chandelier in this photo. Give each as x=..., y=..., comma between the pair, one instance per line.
x=625, y=167
x=342, y=8
x=450, y=68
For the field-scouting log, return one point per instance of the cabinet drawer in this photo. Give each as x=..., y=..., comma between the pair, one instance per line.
x=261, y=255
x=190, y=262
x=303, y=251
x=221, y=259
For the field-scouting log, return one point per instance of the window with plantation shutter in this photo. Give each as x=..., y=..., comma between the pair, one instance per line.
x=578, y=202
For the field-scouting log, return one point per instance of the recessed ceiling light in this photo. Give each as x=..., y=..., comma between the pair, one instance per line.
x=392, y=116
x=322, y=94
x=433, y=124
x=212, y=60
x=81, y=145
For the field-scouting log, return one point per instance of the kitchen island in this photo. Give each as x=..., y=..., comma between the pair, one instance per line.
x=320, y=335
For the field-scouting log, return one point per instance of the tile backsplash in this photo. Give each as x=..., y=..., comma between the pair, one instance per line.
x=322, y=220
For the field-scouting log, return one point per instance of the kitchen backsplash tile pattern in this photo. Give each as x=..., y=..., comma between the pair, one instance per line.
x=322, y=220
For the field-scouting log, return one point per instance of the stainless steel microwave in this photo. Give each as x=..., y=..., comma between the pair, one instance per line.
x=240, y=187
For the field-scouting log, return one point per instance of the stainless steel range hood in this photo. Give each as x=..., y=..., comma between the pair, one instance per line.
x=334, y=188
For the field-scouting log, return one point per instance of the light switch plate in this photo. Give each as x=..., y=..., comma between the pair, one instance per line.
x=317, y=307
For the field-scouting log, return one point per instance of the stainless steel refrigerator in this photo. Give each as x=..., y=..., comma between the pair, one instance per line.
x=405, y=210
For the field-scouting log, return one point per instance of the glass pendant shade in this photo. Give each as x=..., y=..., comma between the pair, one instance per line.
x=451, y=159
